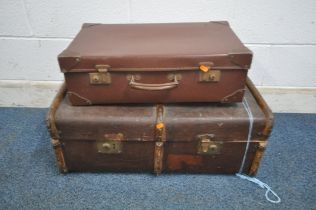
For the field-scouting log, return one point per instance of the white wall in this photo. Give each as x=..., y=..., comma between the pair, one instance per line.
x=282, y=35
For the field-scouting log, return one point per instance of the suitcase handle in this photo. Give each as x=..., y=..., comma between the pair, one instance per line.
x=163, y=86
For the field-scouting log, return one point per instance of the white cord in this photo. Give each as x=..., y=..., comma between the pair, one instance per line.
x=262, y=185
x=252, y=179
x=248, y=110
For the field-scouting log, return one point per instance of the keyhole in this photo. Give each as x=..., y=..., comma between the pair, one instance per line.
x=95, y=78
x=212, y=77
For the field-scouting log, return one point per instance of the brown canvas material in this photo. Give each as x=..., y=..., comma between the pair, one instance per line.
x=154, y=51
x=77, y=130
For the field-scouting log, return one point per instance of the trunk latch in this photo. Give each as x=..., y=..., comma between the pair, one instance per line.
x=207, y=146
x=112, y=144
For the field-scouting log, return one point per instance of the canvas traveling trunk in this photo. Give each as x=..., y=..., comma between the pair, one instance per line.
x=155, y=63
x=191, y=138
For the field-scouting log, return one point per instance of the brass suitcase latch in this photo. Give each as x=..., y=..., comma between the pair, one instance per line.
x=207, y=74
x=207, y=146
x=111, y=145
x=210, y=76
x=102, y=77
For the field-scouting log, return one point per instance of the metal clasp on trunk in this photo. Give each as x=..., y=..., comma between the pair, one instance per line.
x=111, y=145
x=102, y=77
x=207, y=146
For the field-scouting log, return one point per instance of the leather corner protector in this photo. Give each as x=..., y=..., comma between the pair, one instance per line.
x=226, y=23
x=241, y=59
x=75, y=98
x=68, y=60
x=233, y=96
x=69, y=54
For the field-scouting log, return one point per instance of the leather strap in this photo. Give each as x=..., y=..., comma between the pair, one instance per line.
x=160, y=138
x=158, y=160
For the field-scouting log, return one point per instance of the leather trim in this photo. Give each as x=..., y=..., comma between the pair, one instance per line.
x=50, y=117
x=160, y=131
x=160, y=138
x=59, y=155
x=158, y=157
x=54, y=133
x=264, y=106
x=267, y=129
x=257, y=159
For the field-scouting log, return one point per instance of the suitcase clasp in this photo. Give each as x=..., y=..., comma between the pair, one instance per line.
x=102, y=77
x=210, y=76
x=207, y=146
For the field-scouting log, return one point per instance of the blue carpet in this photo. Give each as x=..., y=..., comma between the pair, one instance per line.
x=29, y=178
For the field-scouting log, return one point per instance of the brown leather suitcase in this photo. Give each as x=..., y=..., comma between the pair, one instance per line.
x=155, y=63
x=193, y=138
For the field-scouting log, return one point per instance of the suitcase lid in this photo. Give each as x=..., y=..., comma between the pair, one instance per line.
x=155, y=47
